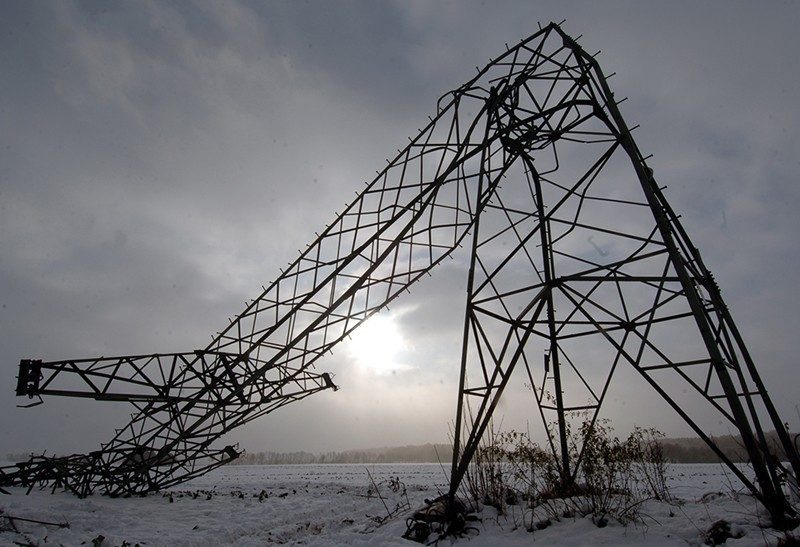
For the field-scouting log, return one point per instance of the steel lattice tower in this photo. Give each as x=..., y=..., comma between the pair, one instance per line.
x=578, y=266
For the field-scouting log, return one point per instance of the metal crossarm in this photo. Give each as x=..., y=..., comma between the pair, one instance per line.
x=159, y=378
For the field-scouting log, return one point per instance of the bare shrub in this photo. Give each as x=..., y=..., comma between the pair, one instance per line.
x=652, y=463
x=484, y=478
x=615, y=477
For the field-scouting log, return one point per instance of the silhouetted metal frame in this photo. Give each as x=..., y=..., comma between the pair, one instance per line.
x=186, y=401
x=409, y=218
x=719, y=334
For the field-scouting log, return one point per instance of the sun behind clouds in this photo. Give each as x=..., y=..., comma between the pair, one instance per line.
x=378, y=345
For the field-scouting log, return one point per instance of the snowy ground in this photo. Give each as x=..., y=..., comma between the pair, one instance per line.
x=331, y=505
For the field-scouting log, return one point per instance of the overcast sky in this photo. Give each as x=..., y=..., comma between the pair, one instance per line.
x=159, y=161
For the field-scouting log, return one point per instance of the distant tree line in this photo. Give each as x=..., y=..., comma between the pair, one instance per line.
x=694, y=450
x=424, y=453
x=676, y=450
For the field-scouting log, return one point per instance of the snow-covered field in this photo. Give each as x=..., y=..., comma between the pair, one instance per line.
x=332, y=505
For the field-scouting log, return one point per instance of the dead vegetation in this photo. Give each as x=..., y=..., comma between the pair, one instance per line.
x=615, y=476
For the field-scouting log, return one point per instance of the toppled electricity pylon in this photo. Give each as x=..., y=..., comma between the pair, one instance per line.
x=578, y=264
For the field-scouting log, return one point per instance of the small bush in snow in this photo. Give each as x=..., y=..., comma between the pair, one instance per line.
x=615, y=476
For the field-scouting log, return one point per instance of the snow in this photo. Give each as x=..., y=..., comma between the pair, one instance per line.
x=330, y=505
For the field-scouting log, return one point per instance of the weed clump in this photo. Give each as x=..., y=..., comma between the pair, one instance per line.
x=611, y=477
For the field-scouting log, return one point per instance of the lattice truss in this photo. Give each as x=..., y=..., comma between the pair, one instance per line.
x=578, y=266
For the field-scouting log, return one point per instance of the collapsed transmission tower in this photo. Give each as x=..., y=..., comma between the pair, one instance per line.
x=578, y=265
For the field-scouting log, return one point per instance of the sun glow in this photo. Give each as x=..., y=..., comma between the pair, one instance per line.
x=378, y=345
